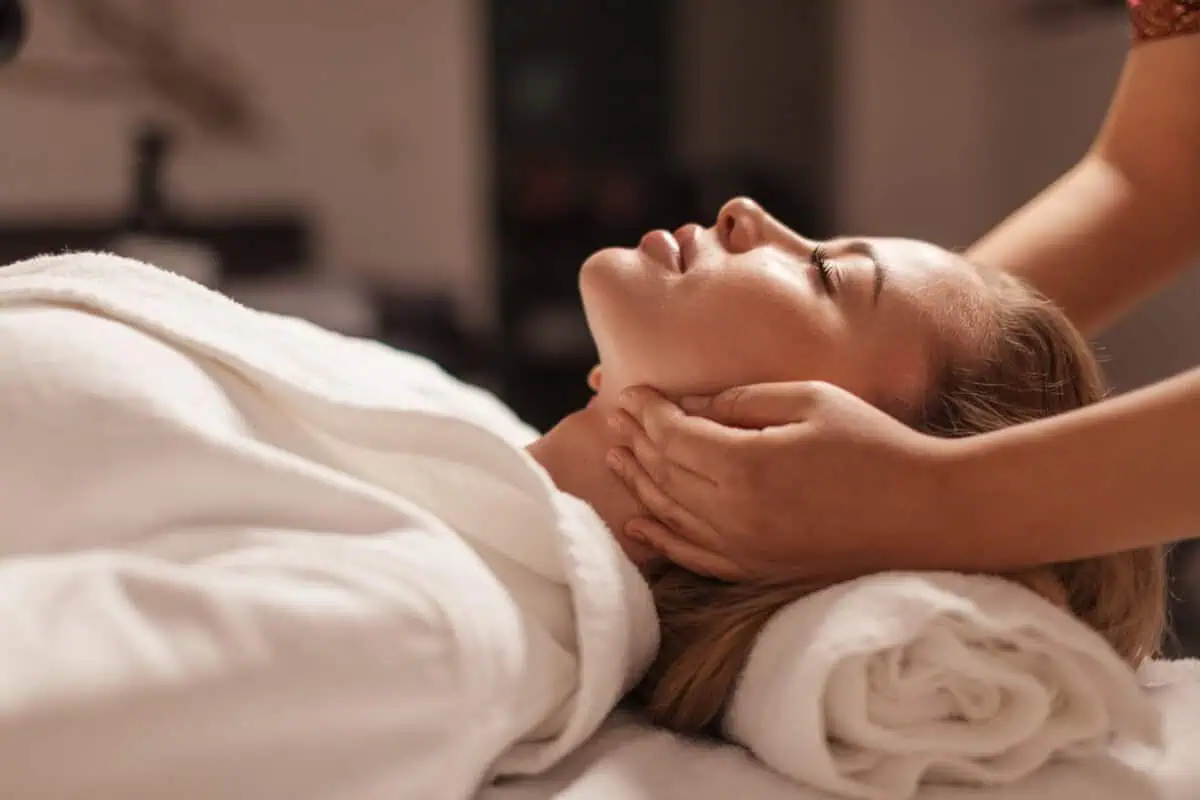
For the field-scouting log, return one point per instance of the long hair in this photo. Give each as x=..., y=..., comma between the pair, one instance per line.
x=1030, y=363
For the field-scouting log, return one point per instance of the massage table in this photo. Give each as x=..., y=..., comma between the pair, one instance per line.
x=631, y=760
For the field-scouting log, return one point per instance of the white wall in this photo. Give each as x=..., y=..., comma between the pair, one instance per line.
x=376, y=125
x=954, y=113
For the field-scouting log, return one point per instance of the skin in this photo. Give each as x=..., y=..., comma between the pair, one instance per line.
x=1122, y=223
x=1111, y=477
x=707, y=309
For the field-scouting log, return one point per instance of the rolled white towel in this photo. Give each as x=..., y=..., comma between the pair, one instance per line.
x=872, y=687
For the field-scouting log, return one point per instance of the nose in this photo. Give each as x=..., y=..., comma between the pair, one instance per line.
x=743, y=225
x=739, y=225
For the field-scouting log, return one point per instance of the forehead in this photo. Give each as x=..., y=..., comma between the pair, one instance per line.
x=934, y=285
x=909, y=256
x=915, y=267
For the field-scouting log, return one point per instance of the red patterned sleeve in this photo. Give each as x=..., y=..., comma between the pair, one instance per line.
x=1158, y=19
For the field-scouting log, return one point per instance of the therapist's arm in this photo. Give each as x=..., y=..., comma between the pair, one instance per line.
x=1114, y=476
x=1126, y=219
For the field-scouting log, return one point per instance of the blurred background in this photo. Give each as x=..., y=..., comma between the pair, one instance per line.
x=432, y=172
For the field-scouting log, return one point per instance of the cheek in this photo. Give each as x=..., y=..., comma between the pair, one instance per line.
x=708, y=332
x=763, y=334
x=901, y=361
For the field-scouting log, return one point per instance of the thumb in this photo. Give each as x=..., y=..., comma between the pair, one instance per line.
x=761, y=405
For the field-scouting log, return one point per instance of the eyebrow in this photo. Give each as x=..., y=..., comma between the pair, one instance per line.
x=867, y=249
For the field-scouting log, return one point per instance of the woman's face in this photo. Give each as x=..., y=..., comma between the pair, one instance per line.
x=750, y=301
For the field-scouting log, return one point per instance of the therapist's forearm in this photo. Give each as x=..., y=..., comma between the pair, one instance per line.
x=1096, y=242
x=1115, y=476
x=1123, y=222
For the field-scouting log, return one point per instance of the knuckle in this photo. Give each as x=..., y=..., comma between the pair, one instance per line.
x=828, y=394
x=673, y=518
x=634, y=401
x=643, y=486
x=668, y=513
x=625, y=467
x=649, y=459
x=656, y=435
x=668, y=549
x=624, y=425
x=655, y=500
x=661, y=432
x=734, y=400
x=812, y=396
x=660, y=473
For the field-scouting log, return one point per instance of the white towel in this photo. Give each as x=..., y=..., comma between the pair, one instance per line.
x=631, y=760
x=872, y=687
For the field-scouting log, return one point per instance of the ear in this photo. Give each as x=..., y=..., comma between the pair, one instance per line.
x=595, y=378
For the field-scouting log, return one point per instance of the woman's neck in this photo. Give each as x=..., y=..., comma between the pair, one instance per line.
x=573, y=452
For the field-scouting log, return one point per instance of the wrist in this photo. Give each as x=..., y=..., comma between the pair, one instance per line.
x=994, y=515
x=959, y=518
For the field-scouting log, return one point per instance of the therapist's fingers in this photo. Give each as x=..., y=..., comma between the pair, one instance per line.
x=670, y=511
x=676, y=480
x=763, y=405
x=658, y=537
x=699, y=445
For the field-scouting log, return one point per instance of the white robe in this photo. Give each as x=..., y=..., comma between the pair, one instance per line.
x=242, y=557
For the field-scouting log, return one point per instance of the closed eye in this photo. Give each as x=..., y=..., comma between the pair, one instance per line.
x=824, y=270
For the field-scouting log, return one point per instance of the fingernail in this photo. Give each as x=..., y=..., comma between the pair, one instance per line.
x=694, y=403
x=637, y=534
x=614, y=459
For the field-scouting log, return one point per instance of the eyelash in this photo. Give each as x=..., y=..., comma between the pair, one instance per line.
x=824, y=270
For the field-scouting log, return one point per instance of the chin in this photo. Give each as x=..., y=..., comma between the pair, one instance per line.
x=623, y=275
x=610, y=306
x=606, y=266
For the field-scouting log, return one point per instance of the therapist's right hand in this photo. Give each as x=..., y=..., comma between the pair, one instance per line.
x=780, y=481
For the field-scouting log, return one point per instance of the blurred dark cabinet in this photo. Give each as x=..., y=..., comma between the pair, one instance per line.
x=580, y=129
x=588, y=78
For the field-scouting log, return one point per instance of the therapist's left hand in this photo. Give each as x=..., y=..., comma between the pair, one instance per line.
x=779, y=481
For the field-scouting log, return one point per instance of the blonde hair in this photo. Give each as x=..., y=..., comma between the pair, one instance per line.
x=1029, y=363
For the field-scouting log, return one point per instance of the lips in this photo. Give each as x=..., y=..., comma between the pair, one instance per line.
x=663, y=249
x=686, y=237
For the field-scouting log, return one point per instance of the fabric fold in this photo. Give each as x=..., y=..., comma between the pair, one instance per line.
x=873, y=687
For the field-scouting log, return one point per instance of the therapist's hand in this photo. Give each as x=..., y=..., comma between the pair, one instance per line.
x=778, y=481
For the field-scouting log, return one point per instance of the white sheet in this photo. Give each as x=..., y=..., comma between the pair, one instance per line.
x=241, y=557
x=629, y=760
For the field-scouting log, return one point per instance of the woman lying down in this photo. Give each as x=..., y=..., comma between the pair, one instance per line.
x=245, y=557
